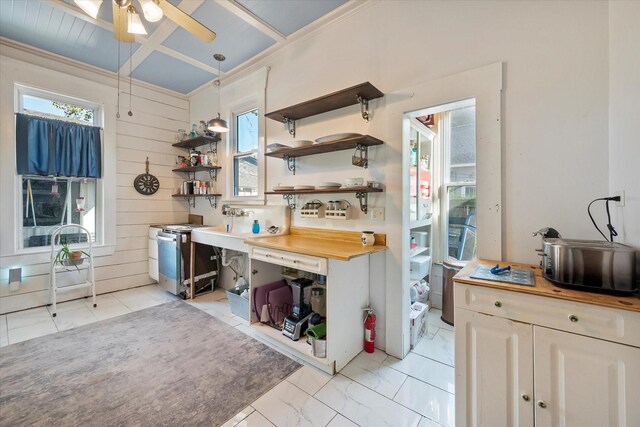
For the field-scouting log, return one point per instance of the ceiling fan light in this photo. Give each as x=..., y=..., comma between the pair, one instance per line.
x=218, y=125
x=90, y=7
x=151, y=10
x=134, y=23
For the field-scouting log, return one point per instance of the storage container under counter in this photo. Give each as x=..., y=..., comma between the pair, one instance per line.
x=420, y=266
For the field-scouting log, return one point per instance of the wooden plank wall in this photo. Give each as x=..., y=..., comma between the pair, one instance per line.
x=149, y=132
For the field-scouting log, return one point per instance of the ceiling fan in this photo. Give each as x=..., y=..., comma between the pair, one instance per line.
x=127, y=22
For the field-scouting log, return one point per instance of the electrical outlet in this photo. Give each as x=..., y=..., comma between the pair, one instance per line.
x=621, y=194
x=377, y=214
x=15, y=277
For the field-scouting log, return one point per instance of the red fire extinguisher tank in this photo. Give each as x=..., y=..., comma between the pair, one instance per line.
x=369, y=331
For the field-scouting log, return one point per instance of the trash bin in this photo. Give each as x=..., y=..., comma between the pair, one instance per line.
x=450, y=268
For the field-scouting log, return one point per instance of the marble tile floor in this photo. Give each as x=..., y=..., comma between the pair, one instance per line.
x=372, y=390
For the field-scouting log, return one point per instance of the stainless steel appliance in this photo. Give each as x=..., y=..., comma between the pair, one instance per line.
x=591, y=265
x=174, y=255
x=296, y=323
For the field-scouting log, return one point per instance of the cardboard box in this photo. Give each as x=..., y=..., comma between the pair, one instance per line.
x=418, y=322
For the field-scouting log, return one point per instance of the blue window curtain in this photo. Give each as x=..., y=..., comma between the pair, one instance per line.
x=58, y=148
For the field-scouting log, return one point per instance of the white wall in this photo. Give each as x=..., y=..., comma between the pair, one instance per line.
x=150, y=132
x=624, y=116
x=555, y=124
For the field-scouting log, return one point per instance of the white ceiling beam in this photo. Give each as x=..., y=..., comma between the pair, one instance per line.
x=71, y=10
x=253, y=20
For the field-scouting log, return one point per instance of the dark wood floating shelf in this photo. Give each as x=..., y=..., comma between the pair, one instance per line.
x=188, y=196
x=323, y=104
x=197, y=168
x=198, y=141
x=329, y=191
x=326, y=147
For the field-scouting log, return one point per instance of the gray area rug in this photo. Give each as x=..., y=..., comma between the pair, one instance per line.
x=169, y=365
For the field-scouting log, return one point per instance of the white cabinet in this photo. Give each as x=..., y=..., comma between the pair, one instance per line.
x=347, y=292
x=582, y=381
x=496, y=373
x=525, y=360
x=153, y=252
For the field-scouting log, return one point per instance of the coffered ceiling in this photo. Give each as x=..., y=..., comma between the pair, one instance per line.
x=168, y=56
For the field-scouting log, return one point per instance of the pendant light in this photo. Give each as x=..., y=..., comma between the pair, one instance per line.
x=90, y=7
x=218, y=124
x=134, y=24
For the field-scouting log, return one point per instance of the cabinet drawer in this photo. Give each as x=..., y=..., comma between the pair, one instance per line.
x=289, y=259
x=601, y=322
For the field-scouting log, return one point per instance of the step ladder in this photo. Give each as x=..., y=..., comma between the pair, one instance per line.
x=56, y=267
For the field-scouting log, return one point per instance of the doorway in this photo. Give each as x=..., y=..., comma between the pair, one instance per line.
x=440, y=145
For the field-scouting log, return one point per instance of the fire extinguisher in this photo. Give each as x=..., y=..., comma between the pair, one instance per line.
x=369, y=330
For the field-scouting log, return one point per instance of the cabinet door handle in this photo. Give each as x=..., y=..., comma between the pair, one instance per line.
x=542, y=404
x=526, y=397
x=497, y=304
x=573, y=318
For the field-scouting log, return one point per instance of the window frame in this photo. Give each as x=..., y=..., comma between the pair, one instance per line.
x=20, y=91
x=236, y=109
x=446, y=184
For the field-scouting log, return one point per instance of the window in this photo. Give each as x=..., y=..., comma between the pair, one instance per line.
x=459, y=184
x=48, y=201
x=245, y=154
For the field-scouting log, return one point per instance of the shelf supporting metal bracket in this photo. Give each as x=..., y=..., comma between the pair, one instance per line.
x=213, y=146
x=291, y=163
x=189, y=176
x=191, y=200
x=364, y=107
x=291, y=126
x=363, y=199
x=213, y=174
x=213, y=201
x=289, y=198
x=361, y=156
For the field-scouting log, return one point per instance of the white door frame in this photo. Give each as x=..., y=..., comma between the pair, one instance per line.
x=484, y=84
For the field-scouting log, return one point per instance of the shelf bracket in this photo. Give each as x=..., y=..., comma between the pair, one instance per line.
x=289, y=198
x=291, y=126
x=362, y=198
x=291, y=163
x=213, y=201
x=361, y=156
x=213, y=174
x=189, y=176
x=213, y=146
x=191, y=201
x=364, y=107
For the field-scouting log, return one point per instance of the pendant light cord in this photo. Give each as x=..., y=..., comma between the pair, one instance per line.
x=130, y=72
x=118, y=101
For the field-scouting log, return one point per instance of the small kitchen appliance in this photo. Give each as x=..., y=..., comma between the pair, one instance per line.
x=296, y=323
x=590, y=265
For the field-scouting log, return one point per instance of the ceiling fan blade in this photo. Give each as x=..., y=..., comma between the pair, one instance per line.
x=120, y=24
x=186, y=22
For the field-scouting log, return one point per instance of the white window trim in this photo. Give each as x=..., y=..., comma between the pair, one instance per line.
x=236, y=108
x=101, y=246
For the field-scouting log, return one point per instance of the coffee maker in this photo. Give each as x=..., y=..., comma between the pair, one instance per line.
x=296, y=323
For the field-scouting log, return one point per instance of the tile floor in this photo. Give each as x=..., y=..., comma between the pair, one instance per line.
x=373, y=390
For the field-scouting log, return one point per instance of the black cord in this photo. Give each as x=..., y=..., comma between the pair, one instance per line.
x=612, y=231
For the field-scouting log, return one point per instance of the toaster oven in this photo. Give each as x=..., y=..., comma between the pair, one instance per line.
x=591, y=265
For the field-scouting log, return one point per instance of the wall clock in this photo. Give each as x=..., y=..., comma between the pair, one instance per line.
x=145, y=183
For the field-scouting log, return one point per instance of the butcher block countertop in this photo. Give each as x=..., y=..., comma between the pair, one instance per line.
x=335, y=244
x=545, y=288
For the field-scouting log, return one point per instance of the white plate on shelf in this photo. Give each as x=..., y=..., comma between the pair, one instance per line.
x=304, y=187
x=282, y=187
x=276, y=147
x=302, y=143
x=336, y=137
x=329, y=185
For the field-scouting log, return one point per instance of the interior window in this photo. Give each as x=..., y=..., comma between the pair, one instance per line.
x=245, y=158
x=459, y=207
x=49, y=201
